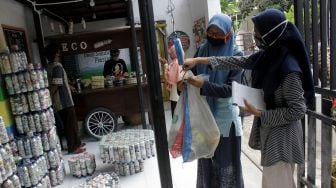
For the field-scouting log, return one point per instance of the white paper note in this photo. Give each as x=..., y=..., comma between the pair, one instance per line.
x=252, y=95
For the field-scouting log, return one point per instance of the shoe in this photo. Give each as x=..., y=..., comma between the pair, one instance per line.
x=82, y=145
x=79, y=150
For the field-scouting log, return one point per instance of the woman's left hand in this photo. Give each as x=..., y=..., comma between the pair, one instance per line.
x=249, y=108
x=196, y=81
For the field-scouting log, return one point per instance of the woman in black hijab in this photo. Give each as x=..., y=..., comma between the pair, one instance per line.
x=281, y=69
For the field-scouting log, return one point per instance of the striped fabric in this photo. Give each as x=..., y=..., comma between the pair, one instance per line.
x=281, y=136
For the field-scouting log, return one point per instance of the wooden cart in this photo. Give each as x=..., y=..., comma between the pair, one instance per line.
x=100, y=108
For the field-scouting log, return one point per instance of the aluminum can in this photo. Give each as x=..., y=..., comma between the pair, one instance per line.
x=53, y=177
x=37, y=122
x=7, y=184
x=9, y=85
x=22, y=82
x=16, y=181
x=33, y=174
x=3, y=132
x=16, y=84
x=27, y=147
x=83, y=167
x=28, y=81
x=24, y=176
x=34, y=80
x=31, y=123
x=40, y=78
x=45, y=78
x=25, y=124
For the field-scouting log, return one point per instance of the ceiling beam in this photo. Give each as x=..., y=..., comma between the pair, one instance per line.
x=48, y=13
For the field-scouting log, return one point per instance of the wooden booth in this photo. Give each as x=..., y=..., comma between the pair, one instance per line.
x=100, y=108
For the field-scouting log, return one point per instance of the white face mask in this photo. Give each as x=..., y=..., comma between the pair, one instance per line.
x=274, y=28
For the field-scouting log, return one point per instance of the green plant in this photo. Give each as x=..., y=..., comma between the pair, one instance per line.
x=333, y=168
x=247, y=6
x=290, y=14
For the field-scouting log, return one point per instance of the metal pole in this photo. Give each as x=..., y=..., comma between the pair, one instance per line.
x=39, y=36
x=134, y=57
x=152, y=63
x=324, y=41
x=332, y=44
x=298, y=15
x=298, y=10
x=307, y=25
x=315, y=34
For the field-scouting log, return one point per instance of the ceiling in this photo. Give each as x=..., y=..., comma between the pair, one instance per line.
x=102, y=9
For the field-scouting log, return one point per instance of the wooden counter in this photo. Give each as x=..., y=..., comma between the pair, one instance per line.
x=121, y=100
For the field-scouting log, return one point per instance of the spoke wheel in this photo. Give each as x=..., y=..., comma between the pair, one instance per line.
x=100, y=122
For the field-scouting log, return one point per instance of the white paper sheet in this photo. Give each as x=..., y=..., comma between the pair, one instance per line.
x=252, y=95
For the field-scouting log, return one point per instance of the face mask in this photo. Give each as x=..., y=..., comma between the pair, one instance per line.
x=219, y=41
x=260, y=42
x=215, y=42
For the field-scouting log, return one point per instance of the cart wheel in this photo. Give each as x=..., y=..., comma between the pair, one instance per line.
x=100, y=122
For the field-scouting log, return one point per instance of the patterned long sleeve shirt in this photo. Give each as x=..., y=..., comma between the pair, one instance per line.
x=280, y=131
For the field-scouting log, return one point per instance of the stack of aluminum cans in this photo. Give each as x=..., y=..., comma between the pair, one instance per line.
x=82, y=165
x=110, y=180
x=36, y=149
x=127, y=149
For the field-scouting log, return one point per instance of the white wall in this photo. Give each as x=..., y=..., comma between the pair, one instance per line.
x=182, y=17
x=15, y=14
x=213, y=8
x=185, y=13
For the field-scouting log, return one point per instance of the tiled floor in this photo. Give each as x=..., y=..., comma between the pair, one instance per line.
x=183, y=174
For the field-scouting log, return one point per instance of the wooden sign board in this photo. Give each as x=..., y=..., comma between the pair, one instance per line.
x=94, y=42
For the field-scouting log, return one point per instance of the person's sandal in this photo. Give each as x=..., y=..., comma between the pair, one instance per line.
x=82, y=145
x=79, y=150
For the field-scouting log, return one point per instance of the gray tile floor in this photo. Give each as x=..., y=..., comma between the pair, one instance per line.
x=183, y=174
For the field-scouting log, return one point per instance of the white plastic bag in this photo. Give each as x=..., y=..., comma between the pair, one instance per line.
x=202, y=137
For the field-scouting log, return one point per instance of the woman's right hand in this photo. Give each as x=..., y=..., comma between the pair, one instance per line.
x=181, y=85
x=189, y=63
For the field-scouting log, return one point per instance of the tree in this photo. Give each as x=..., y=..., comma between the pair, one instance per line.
x=247, y=6
x=229, y=7
x=243, y=8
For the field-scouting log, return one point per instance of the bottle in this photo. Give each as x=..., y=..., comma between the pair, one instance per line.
x=78, y=84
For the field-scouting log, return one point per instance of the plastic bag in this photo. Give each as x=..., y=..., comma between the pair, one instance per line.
x=175, y=136
x=200, y=132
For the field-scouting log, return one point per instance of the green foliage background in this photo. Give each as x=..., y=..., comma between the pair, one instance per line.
x=244, y=8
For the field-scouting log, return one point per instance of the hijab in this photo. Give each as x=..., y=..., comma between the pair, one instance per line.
x=207, y=49
x=285, y=53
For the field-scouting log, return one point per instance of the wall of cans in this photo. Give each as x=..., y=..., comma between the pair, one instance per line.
x=127, y=149
x=38, y=154
x=82, y=165
x=8, y=169
x=102, y=180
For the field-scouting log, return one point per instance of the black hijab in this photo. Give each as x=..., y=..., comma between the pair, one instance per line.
x=286, y=55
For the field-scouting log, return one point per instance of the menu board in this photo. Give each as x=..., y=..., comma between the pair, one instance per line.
x=16, y=39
